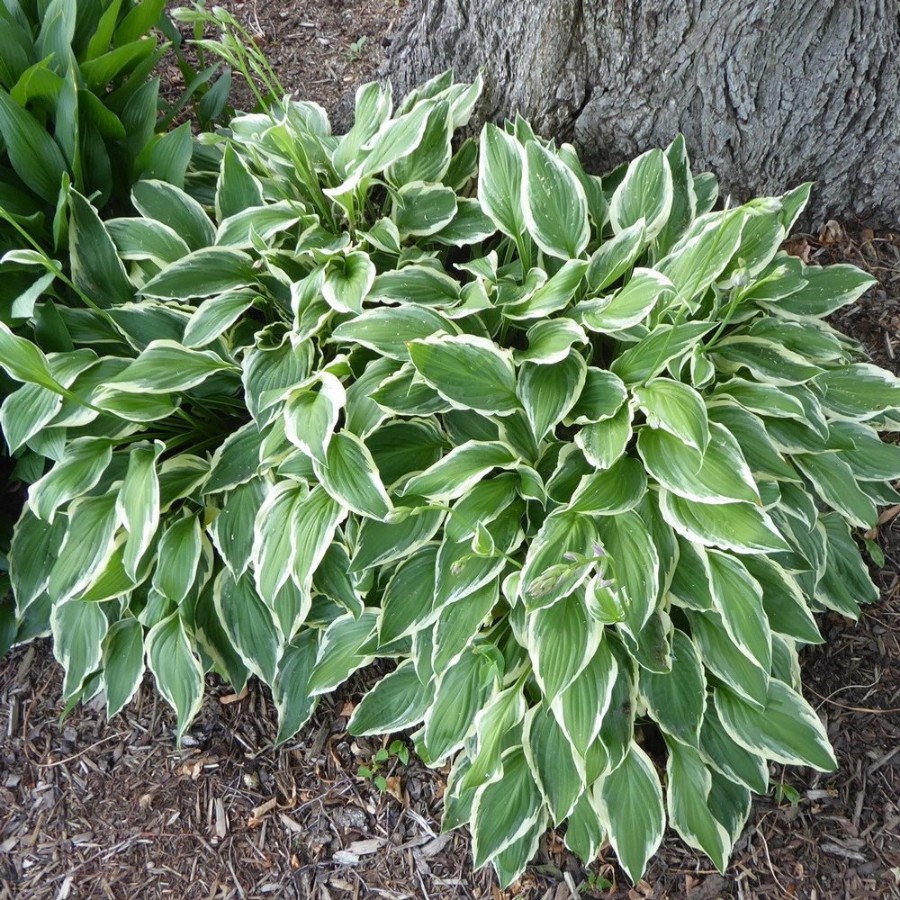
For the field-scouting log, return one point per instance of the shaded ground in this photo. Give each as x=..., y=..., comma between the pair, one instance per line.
x=91, y=809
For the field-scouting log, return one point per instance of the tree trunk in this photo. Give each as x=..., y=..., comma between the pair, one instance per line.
x=768, y=93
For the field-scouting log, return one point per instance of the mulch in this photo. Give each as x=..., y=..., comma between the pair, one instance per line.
x=97, y=809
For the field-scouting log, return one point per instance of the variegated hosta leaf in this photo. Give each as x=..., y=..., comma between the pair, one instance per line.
x=630, y=805
x=567, y=451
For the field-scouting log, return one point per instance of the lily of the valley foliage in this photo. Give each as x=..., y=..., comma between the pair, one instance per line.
x=581, y=455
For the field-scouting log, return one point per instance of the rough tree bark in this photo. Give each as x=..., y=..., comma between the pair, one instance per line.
x=768, y=93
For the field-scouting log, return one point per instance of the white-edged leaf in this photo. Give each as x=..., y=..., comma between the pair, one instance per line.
x=645, y=193
x=469, y=372
x=676, y=408
x=786, y=730
x=179, y=677
x=310, y=416
x=554, y=204
x=350, y=475
x=630, y=804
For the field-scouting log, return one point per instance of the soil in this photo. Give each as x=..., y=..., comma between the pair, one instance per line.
x=90, y=809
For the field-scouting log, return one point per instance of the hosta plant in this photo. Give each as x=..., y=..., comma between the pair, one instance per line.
x=581, y=455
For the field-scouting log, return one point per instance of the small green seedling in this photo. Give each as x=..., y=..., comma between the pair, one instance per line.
x=356, y=48
x=380, y=762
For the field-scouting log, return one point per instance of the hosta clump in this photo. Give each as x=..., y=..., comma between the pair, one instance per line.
x=581, y=455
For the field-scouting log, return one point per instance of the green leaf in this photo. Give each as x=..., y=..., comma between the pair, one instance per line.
x=845, y=581
x=179, y=677
x=463, y=689
x=549, y=341
x=630, y=305
x=316, y=518
x=726, y=660
x=616, y=256
x=562, y=639
x=399, y=701
x=87, y=547
x=675, y=408
x=584, y=833
x=644, y=193
x=649, y=356
x=34, y=547
x=235, y=461
x=96, y=268
x=380, y=543
x=248, y=622
x=24, y=362
x=634, y=566
x=554, y=204
x=630, y=804
x=215, y=316
x=78, y=632
x=103, y=69
x=785, y=606
x=733, y=761
x=460, y=470
x=340, y=653
x=835, y=483
x=470, y=225
x=718, y=476
x=81, y=467
x=786, y=730
x=33, y=153
x=423, y=209
x=738, y=599
x=459, y=620
x=703, y=253
x=350, y=475
x=170, y=205
x=310, y=417
x=548, y=574
x=549, y=393
x=677, y=699
x=166, y=366
x=602, y=397
x=388, y=330
x=202, y=273
x=430, y=160
x=858, y=392
x=603, y=443
x=470, y=372
x=500, y=180
x=123, y=664
x=554, y=295
x=510, y=863
x=741, y=527
x=292, y=699
x=274, y=543
x=825, y=290
x=766, y=360
x=145, y=239
x=396, y=139
x=409, y=596
x=415, y=285
x=236, y=188
x=179, y=555
x=348, y=280
x=610, y=491
x=553, y=765
x=687, y=797
x=166, y=156
x=504, y=810
x=503, y=712
x=581, y=708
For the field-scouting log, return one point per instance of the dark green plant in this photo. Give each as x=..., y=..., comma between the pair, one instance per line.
x=581, y=455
